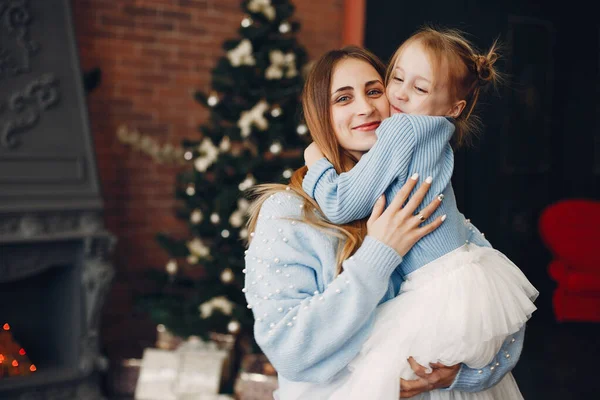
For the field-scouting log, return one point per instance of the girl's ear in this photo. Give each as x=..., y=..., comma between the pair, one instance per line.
x=457, y=108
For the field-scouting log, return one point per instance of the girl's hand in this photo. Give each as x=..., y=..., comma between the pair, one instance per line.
x=398, y=226
x=312, y=154
x=440, y=377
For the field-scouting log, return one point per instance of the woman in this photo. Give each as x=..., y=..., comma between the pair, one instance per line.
x=314, y=286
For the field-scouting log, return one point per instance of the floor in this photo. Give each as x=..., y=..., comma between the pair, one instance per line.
x=559, y=360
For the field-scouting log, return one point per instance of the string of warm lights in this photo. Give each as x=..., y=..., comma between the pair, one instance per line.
x=13, y=357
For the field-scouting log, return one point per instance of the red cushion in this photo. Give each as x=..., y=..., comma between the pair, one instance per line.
x=574, y=281
x=571, y=231
x=570, y=306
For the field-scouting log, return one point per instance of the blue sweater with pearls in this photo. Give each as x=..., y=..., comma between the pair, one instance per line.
x=405, y=144
x=311, y=323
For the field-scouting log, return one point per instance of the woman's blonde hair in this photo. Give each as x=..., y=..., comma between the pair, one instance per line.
x=457, y=62
x=316, y=106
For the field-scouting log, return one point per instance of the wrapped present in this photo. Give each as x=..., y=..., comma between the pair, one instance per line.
x=158, y=373
x=201, y=366
x=193, y=371
x=166, y=340
x=123, y=376
x=257, y=379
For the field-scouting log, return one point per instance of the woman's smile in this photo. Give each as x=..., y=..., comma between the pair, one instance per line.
x=368, y=127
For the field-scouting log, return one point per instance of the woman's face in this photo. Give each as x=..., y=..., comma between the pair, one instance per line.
x=411, y=90
x=358, y=105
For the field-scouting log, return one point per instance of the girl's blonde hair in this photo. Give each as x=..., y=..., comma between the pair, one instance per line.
x=316, y=106
x=456, y=61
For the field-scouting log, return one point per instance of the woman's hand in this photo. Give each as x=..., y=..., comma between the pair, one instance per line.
x=440, y=377
x=397, y=226
x=312, y=154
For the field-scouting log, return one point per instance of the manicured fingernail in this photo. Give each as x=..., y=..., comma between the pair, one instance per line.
x=429, y=179
x=444, y=217
x=415, y=176
x=440, y=197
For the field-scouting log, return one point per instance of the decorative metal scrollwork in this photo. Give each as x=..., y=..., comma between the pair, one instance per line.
x=15, y=19
x=39, y=95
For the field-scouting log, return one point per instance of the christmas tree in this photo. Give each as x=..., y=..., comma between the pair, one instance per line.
x=254, y=135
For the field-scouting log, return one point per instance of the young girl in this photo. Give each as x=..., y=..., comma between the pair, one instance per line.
x=459, y=301
x=315, y=287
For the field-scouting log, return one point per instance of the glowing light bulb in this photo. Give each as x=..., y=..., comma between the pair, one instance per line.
x=32, y=368
x=6, y=327
x=22, y=352
x=15, y=363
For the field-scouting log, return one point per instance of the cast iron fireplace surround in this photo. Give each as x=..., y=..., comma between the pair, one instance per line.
x=54, y=250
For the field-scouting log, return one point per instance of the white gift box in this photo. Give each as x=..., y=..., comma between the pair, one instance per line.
x=200, y=371
x=158, y=372
x=192, y=372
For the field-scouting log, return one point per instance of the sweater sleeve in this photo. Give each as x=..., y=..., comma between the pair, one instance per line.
x=477, y=380
x=351, y=195
x=309, y=330
x=475, y=236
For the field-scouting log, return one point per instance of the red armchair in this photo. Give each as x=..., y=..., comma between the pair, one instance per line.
x=570, y=229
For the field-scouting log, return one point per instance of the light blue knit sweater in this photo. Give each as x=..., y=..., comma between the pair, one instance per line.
x=405, y=144
x=309, y=322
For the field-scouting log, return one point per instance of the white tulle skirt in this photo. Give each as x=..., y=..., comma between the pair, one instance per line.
x=459, y=308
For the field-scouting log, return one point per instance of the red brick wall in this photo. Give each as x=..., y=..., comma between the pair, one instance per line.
x=154, y=54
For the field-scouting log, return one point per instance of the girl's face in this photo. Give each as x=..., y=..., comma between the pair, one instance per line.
x=358, y=105
x=411, y=89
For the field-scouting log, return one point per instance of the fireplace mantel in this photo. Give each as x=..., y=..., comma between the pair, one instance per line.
x=55, y=268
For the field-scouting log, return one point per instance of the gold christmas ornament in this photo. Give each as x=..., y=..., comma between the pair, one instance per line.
x=247, y=21
x=276, y=111
x=190, y=190
x=196, y=216
x=213, y=99
x=227, y=275
x=275, y=148
x=302, y=130
x=197, y=248
x=285, y=27
x=171, y=267
x=234, y=327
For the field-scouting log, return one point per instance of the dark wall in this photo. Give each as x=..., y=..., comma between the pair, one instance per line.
x=541, y=139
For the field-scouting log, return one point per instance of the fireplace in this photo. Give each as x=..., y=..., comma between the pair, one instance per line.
x=45, y=329
x=55, y=268
x=52, y=286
